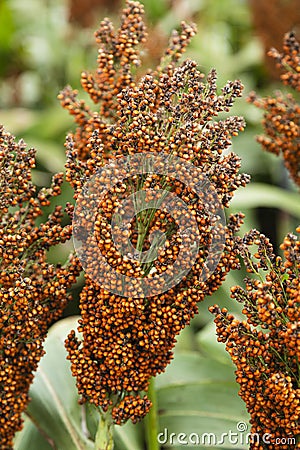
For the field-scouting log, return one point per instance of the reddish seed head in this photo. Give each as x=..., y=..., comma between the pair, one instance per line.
x=170, y=110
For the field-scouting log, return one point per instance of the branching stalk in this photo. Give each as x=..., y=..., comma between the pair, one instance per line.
x=152, y=419
x=104, y=436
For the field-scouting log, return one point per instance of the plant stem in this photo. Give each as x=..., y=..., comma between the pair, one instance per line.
x=104, y=436
x=151, y=420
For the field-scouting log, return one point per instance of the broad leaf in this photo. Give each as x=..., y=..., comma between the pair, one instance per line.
x=129, y=437
x=198, y=397
x=259, y=194
x=30, y=438
x=210, y=347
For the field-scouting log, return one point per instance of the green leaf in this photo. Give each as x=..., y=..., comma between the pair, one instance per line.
x=7, y=29
x=208, y=344
x=285, y=277
x=198, y=395
x=128, y=437
x=92, y=418
x=30, y=437
x=54, y=400
x=156, y=9
x=259, y=194
x=220, y=297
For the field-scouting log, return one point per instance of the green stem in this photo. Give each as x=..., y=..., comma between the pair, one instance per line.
x=104, y=436
x=152, y=420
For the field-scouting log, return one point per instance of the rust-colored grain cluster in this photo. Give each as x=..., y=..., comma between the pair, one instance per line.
x=281, y=120
x=172, y=110
x=265, y=347
x=33, y=292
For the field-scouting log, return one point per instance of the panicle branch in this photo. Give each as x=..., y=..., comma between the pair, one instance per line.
x=33, y=293
x=281, y=120
x=265, y=346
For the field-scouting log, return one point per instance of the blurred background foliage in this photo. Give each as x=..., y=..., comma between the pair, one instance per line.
x=45, y=44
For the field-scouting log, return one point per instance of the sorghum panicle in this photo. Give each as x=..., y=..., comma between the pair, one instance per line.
x=265, y=347
x=171, y=110
x=33, y=293
x=281, y=120
x=289, y=61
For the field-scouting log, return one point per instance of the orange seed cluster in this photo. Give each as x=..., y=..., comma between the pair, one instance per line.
x=265, y=347
x=172, y=110
x=282, y=113
x=289, y=61
x=33, y=292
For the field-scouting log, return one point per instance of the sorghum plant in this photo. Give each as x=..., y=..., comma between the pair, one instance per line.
x=172, y=110
x=282, y=113
x=33, y=293
x=265, y=347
